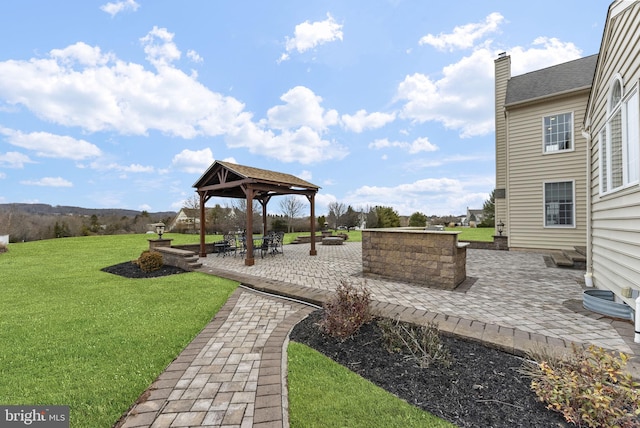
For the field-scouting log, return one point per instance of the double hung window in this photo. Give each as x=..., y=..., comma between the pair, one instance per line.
x=559, y=206
x=557, y=132
x=620, y=140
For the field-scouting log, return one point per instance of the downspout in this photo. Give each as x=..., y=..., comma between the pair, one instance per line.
x=587, y=135
x=637, y=317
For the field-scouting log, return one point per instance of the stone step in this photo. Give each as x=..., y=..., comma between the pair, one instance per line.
x=582, y=250
x=195, y=265
x=560, y=259
x=575, y=256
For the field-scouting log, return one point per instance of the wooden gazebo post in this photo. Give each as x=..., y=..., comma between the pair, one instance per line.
x=203, y=248
x=312, y=199
x=249, y=261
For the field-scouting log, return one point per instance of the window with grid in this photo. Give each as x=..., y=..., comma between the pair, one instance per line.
x=559, y=204
x=558, y=132
x=620, y=140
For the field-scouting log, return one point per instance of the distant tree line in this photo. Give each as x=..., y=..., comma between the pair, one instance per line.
x=24, y=225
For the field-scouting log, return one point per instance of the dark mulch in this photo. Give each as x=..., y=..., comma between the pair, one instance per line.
x=131, y=270
x=482, y=388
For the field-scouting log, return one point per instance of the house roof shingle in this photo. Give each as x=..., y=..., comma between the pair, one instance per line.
x=561, y=78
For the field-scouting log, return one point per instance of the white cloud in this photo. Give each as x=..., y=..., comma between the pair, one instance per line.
x=305, y=175
x=3, y=175
x=302, y=108
x=363, y=120
x=194, y=56
x=418, y=145
x=135, y=168
x=545, y=52
x=14, y=160
x=80, y=86
x=51, y=145
x=144, y=207
x=159, y=47
x=193, y=161
x=463, y=97
x=440, y=196
x=116, y=7
x=292, y=132
x=48, y=182
x=464, y=36
x=308, y=35
x=303, y=144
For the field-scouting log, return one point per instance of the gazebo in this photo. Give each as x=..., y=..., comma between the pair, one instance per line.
x=228, y=180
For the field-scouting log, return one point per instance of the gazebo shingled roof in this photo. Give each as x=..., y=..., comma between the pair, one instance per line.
x=229, y=180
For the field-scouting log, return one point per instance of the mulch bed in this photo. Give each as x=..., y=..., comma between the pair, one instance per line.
x=482, y=388
x=131, y=270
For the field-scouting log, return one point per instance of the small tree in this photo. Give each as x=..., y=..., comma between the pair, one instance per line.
x=418, y=219
x=387, y=217
x=489, y=211
x=321, y=221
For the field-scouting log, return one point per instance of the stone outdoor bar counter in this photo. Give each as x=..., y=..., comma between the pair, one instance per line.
x=422, y=257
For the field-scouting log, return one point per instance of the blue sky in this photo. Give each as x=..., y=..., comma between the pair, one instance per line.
x=124, y=104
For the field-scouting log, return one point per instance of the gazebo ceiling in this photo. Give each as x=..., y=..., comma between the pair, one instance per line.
x=228, y=180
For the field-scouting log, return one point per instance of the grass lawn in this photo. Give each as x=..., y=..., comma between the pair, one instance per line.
x=483, y=234
x=73, y=335
x=322, y=393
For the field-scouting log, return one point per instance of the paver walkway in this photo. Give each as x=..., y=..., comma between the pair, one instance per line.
x=231, y=375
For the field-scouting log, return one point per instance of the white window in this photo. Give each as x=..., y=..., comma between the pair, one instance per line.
x=559, y=204
x=557, y=131
x=620, y=140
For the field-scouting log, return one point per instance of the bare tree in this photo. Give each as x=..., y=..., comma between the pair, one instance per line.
x=192, y=209
x=291, y=207
x=336, y=211
x=240, y=215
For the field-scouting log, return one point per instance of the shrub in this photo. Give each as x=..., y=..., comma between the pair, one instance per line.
x=421, y=342
x=346, y=311
x=3, y=248
x=589, y=388
x=149, y=261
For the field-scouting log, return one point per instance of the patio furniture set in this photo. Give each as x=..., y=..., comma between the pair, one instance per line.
x=236, y=243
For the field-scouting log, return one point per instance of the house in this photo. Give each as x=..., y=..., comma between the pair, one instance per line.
x=187, y=219
x=541, y=180
x=612, y=128
x=476, y=216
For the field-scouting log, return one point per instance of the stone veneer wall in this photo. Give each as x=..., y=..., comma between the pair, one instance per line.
x=421, y=257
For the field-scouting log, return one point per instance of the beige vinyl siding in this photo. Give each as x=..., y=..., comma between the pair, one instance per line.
x=529, y=168
x=615, y=217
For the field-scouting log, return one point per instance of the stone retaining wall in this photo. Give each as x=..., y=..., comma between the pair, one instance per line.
x=499, y=243
x=421, y=257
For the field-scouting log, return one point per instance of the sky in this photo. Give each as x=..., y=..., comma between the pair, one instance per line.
x=125, y=104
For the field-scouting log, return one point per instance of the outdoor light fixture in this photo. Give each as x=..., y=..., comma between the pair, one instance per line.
x=500, y=227
x=159, y=229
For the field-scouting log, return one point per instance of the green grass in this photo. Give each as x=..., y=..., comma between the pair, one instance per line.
x=483, y=234
x=323, y=393
x=73, y=335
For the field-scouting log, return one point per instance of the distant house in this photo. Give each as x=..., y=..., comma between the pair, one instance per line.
x=541, y=180
x=612, y=129
x=476, y=216
x=187, y=219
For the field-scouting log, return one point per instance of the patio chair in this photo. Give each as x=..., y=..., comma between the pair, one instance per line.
x=230, y=245
x=276, y=243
